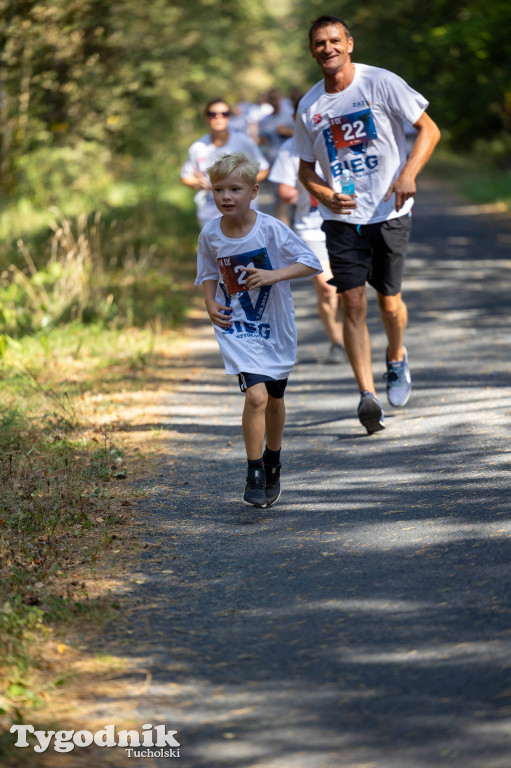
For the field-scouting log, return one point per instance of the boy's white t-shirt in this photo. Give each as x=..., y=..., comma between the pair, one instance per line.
x=262, y=337
x=360, y=128
x=201, y=156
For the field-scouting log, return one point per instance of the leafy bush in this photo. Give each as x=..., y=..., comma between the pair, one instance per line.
x=95, y=272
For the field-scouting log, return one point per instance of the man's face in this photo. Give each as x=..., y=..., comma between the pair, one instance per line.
x=331, y=48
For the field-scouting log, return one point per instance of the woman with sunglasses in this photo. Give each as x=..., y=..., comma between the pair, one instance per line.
x=202, y=154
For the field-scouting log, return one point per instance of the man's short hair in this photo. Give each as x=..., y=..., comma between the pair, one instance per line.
x=235, y=162
x=326, y=21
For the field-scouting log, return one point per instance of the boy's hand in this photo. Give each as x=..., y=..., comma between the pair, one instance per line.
x=259, y=277
x=219, y=314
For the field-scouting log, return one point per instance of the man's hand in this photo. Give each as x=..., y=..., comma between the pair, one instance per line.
x=403, y=189
x=318, y=188
x=340, y=203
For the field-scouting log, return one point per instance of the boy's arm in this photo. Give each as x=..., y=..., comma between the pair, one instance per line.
x=259, y=277
x=216, y=311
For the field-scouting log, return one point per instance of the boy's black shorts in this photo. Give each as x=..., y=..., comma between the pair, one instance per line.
x=373, y=253
x=274, y=387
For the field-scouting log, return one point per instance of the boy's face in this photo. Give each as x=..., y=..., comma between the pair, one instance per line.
x=233, y=195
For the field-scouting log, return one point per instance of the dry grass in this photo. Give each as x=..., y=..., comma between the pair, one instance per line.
x=69, y=529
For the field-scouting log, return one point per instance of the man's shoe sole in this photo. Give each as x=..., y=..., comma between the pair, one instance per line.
x=369, y=416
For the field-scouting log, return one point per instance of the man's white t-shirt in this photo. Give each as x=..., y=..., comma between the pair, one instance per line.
x=203, y=153
x=262, y=337
x=360, y=128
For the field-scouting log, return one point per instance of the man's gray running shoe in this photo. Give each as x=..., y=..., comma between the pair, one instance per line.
x=272, y=483
x=370, y=413
x=399, y=382
x=255, y=488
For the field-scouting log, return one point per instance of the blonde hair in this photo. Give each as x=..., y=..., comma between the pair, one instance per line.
x=237, y=161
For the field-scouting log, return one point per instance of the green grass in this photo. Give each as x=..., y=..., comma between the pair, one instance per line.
x=481, y=176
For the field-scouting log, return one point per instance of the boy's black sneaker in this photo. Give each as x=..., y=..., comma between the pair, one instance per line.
x=272, y=483
x=255, y=488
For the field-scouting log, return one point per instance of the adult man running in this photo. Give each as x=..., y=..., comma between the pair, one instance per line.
x=353, y=119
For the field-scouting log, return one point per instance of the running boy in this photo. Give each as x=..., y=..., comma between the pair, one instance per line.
x=245, y=261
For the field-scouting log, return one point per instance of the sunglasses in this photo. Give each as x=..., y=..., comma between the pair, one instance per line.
x=217, y=114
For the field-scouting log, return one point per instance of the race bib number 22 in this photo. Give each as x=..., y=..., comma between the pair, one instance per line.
x=355, y=128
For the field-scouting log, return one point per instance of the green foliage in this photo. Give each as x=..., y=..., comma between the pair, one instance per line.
x=90, y=270
x=126, y=75
x=100, y=81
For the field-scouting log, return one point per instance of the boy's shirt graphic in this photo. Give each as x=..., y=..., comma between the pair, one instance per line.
x=233, y=272
x=262, y=337
x=233, y=268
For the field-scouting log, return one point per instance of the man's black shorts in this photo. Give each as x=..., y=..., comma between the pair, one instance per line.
x=373, y=253
x=274, y=387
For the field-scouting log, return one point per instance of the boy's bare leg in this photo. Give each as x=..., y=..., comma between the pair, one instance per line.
x=357, y=342
x=275, y=419
x=253, y=420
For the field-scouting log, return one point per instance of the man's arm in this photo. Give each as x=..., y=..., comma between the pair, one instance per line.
x=426, y=141
x=319, y=189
